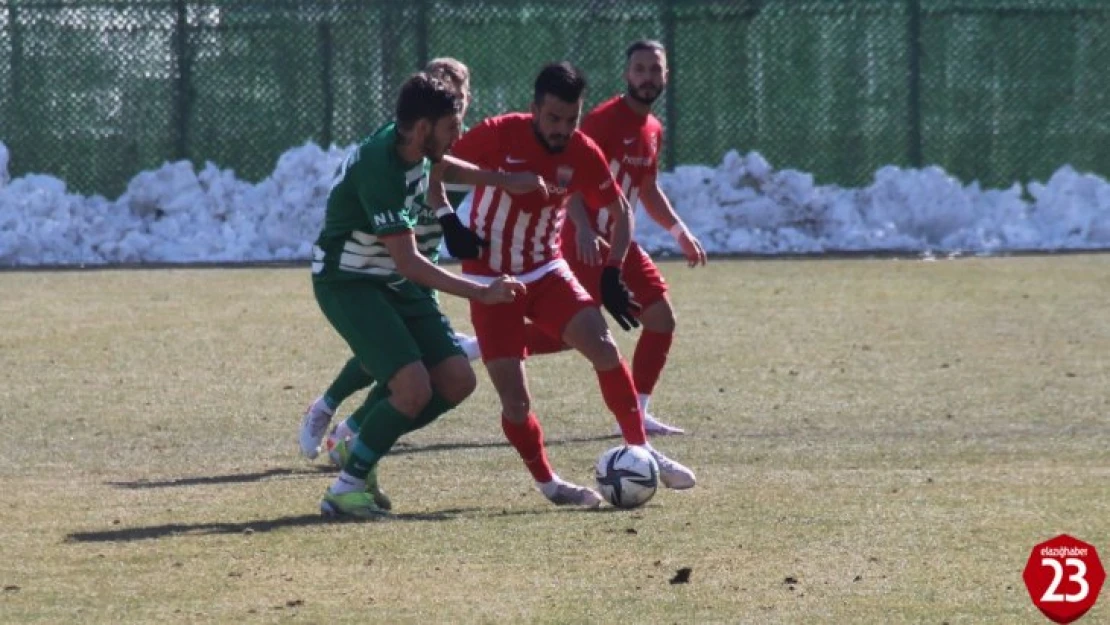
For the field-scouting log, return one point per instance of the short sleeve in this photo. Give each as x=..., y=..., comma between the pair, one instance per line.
x=381, y=193
x=597, y=185
x=594, y=127
x=479, y=145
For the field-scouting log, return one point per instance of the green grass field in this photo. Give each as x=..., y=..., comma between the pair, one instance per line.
x=877, y=441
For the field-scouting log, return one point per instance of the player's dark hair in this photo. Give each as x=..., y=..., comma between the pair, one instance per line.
x=425, y=97
x=641, y=45
x=562, y=80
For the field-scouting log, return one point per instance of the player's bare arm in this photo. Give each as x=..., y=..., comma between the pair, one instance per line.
x=459, y=171
x=415, y=267
x=589, y=244
x=662, y=212
x=623, y=223
x=462, y=243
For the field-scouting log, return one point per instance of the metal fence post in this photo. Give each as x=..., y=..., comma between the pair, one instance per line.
x=182, y=80
x=16, y=68
x=913, y=106
x=670, y=148
x=421, y=33
x=326, y=47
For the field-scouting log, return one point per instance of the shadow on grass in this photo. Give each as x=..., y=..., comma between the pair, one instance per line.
x=170, y=530
x=402, y=449
x=231, y=478
x=173, y=530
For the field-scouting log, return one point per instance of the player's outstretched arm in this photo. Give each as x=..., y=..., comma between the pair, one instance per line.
x=621, y=237
x=614, y=294
x=462, y=242
x=415, y=267
x=662, y=212
x=460, y=171
x=588, y=243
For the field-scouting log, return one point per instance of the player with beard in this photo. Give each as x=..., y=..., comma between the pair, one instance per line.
x=630, y=137
x=352, y=378
x=372, y=279
x=522, y=231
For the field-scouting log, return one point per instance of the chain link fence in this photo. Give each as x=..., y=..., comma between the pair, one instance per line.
x=95, y=91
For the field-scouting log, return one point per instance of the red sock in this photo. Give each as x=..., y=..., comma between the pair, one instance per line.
x=649, y=359
x=539, y=342
x=527, y=438
x=620, y=397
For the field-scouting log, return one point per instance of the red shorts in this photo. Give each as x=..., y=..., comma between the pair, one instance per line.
x=639, y=273
x=550, y=303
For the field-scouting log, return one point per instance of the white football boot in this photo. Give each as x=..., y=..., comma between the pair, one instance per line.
x=313, y=426
x=671, y=473
x=563, y=493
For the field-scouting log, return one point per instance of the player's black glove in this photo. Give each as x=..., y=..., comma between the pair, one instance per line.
x=461, y=241
x=617, y=299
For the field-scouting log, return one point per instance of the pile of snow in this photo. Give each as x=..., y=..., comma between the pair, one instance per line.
x=743, y=205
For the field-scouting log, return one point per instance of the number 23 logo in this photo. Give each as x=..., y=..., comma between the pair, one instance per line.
x=1079, y=577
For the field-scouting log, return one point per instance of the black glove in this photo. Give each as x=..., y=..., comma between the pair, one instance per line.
x=617, y=299
x=461, y=241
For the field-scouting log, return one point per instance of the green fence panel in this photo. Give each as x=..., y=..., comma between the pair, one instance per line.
x=95, y=91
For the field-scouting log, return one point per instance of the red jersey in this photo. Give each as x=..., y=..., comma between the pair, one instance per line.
x=523, y=230
x=630, y=142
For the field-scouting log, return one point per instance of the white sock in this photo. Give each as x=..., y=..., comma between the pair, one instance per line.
x=469, y=345
x=644, y=400
x=346, y=483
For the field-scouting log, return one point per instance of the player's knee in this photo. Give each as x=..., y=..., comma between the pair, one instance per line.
x=411, y=400
x=411, y=390
x=459, y=385
x=516, y=408
x=603, y=352
x=659, y=317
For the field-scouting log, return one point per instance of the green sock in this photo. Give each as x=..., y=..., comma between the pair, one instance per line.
x=383, y=425
x=436, y=407
x=379, y=393
x=351, y=379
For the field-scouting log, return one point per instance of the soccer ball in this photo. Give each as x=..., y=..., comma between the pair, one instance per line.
x=627, y=476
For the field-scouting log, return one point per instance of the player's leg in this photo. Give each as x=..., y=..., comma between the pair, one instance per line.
x=658, y=322
x=446, y=356
x=500, y=331
x=442, y=351
x=386, y=349
x=587, y=332
x=539, y=342
x=351, y=379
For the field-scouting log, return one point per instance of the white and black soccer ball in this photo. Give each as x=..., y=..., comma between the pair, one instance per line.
x=627, y=476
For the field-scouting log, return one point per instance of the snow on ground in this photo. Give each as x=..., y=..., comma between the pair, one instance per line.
x=742, y=205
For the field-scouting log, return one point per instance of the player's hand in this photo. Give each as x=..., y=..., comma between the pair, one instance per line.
x=617, y=299
x=462, y=242
x=589, y=247
x=691, y=248
x=525, y=182
x=502, y=291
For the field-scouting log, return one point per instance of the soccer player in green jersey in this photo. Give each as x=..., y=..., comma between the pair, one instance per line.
x=372, y=279
x=352, y=377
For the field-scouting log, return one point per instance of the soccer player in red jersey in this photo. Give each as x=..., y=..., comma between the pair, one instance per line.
x=523, y=236
x=630, y=137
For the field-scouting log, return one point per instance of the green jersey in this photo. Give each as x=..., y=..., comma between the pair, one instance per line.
x=374, y=195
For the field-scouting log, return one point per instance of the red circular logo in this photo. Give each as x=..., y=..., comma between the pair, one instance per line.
x=1064, y=576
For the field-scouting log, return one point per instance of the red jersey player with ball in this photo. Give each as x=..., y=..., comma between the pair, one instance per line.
x=523, y=235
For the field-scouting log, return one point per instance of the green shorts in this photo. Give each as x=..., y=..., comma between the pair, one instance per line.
x=386, y=330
